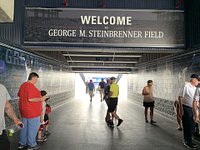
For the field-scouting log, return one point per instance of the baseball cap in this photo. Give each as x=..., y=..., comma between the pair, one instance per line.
x=196, y=76
x=112, y=78
x=149, y=81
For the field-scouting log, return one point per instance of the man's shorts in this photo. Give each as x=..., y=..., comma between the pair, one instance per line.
x=46, y=119
x=112, y=104
x=101, y=90
x=91, y=93
x=148, y=104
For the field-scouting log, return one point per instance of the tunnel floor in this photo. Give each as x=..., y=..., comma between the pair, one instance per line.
x=80, y=125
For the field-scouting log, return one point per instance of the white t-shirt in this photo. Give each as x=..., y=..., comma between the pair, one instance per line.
x=4, y=95
x=187, y=93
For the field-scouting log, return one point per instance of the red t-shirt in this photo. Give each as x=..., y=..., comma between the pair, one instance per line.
x=29, y=109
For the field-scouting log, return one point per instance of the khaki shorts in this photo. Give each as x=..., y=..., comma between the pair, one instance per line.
x=101, y=90
x=91, y=93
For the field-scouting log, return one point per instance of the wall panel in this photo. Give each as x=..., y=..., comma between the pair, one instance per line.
x=15, y=66
x=169, y=75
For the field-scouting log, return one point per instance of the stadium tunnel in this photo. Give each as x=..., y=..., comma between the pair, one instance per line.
x=68, y=42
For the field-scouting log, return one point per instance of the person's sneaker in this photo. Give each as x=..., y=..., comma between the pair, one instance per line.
x=119, y=122
x=22, y=146
x=179, y=129
x=34, y=148
x=190, y=146
x=110, y=123
x=147, y=121
x=47, y=133
x=194, y=144
x=42, y=139
x=107, y=120
x=152, y=122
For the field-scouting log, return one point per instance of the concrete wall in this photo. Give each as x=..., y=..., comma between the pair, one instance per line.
x=15, y=66
x=169, y=75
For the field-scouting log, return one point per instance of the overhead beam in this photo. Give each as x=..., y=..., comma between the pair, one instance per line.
x=103, y=50
x=103, y=62
x=119, y=67
x=103, y=72
x=87, y=55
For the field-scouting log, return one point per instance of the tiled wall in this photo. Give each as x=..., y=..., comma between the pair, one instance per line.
x=169, y=75
x=15, y=66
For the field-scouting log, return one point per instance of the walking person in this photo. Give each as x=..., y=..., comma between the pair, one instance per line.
x=101, y=88
x=148, y=101
x=5, y=107
x=107, y=98
x=30, y=106
x=91, y=89
x=187, y=97
x=113, y=101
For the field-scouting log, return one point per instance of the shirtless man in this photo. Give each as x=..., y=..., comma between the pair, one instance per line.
x=148, y=101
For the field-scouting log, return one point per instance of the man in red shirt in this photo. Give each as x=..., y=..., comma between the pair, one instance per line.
x=30, y=106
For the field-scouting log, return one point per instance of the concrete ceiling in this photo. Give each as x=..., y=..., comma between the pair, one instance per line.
x=103, y=60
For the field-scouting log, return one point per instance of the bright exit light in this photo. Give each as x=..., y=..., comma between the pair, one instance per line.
x=80, y=86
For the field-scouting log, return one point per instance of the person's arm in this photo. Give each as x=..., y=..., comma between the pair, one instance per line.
x=181, y=94
x=99, y=86
x=111, y=91
x=180, y=101
x=145, y=91
x=43, y=112
x=196, y=105
x=196, y=112
x=10, y=112
x=93, y=88
x=37, y=99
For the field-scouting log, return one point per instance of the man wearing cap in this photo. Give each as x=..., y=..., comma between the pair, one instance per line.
x=114, y=92
x=186, y=98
